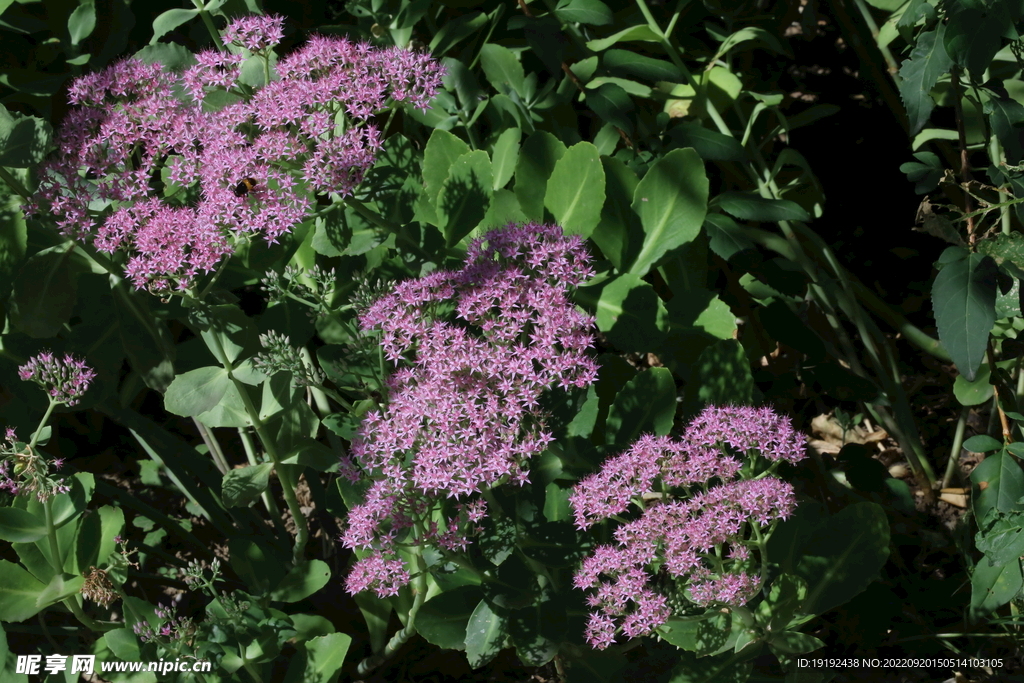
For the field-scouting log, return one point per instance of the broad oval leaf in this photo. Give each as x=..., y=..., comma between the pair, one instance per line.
x=640, y=32
x=964, y=300
x=671, y=200
x=646, y=404
x=19, y=526
x=630, y=312
x=502, y=68
x=504, y=157
x=170, y=20
x=19, y=592
x=244, y=485
x=442, y=620
x=465, y=196
x=485, y=634
x=302, y=581
x=575, y=191
x=537, y=160
x=627, y=63
x=196, y=391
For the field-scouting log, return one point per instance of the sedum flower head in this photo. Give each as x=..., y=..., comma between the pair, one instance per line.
x=64, y=379
x=693, y=531
x=143, y=169
x=475, y=350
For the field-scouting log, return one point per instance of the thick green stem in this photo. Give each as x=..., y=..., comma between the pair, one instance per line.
x=287, y=485
x=954, y=452
x=419, y=588
x=42, y=425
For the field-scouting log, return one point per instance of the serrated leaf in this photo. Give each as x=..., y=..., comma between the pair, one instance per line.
x=994, y=586
x=919, y=74
x=671, y=201
x=964, y=300
x=1000, y=484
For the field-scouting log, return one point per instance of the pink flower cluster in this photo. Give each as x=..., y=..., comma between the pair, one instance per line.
x=681, y=536
x=65, y=380
x=171, y=180
x=463, y=411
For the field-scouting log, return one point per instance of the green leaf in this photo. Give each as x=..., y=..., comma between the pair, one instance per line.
x=919, y=74
x=613, y=104
x=748, y=206
x=671, y=201
x=502, y=68
x=592, y=12
x=625, y=63
x=1002, y=539
x=19, y=526
x=59, y=588
x=794, y=643
x=455, y=31
x=24, y=140
x=442, y=620
x=709, y=144
x=926, y=172
x=641, y=32
x=630, y=313
x=230, y=412
x=1000, y=482
x=228, y=332
x=170, y=20
x=302, y=581
x=646, y=404
x=441, y=151
x=19, y=592
x=46, y=291
x=843, y=557
x=465, y=196
x=82, y=22
x=575, y=190
x=376, y=612
x=241, y=487
x=325, y=656
x=704, y=634
x=505, y=157
x=123, y=643
x=973, y=38
x=96, y=535
x=722, y=375
x=617, y=233
x=196, y=391
x=537, y=160
x=485, y=635
x=1006, y=116
x=964, y=300
x=751, y=34
x=994, y=586
x=982, y=443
